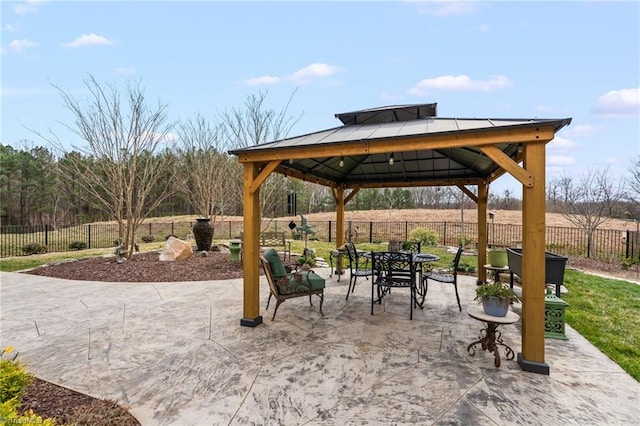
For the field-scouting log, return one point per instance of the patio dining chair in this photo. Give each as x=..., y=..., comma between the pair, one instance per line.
x=285, y=285
x=358, y=266
x=392, y=270
x=450, y=277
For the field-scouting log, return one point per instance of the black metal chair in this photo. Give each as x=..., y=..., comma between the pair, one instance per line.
x=358, y=267
x=392, y=270
x=443, y=277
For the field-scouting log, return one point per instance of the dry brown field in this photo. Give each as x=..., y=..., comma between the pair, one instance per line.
x=512, y=217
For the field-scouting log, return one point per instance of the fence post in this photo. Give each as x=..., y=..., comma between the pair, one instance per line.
x=46, y=235
x=150, y=231
x=329, y=231
x=89, y=235
x=444, y=234
x=370, y=232
x=627, y=238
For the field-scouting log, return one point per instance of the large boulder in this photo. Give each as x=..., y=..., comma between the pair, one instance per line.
x=176, y=249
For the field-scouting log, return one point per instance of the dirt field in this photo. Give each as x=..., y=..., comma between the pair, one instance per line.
x=513, y=217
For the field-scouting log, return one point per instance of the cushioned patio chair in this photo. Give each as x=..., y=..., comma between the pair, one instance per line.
x=285, y=285
x=450, y=277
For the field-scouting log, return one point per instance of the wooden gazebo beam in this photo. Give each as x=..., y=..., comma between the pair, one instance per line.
x=403, y=144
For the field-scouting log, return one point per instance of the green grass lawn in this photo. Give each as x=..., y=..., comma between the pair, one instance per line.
x=605, y=311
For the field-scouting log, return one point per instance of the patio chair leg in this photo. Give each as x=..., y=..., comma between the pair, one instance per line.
x=457, y=297
x=269, y=300
x=276, y=310
x=310, y=301
x=321, y=301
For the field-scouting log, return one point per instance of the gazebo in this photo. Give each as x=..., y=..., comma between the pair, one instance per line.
x=405, y=146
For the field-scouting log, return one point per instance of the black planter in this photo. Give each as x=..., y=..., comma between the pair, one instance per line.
x=203, y=234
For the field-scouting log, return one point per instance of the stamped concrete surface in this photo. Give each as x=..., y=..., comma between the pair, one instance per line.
x=175, y=354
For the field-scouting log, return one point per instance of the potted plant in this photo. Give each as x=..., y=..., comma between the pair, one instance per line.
x=307, y=260
x=496, y=298
x=497, y=258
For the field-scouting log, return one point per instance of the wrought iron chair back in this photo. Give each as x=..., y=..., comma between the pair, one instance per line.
x=443, y=277
x=392, y=270
x=357, y=268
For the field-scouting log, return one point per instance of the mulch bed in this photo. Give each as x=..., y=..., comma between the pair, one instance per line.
x=69, y=407
x=146, y=267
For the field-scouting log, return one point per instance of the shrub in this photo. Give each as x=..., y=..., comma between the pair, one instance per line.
x=427, y=237
x=628, y=262
x=13, y=382
x=466, y=268
x=13, y=378
x=148, y=239
x=463, y=241
x=34, y=248
x=77, y=245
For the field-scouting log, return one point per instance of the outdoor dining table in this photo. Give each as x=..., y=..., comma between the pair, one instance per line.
x=419, y=259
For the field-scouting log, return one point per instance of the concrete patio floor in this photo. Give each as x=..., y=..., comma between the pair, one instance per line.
x=175, y=354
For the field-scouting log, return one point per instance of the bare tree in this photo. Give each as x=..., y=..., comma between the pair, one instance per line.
x=253, y=125
x=122, y=136
x=204, y=173
x=633, y=190
x=588, y=202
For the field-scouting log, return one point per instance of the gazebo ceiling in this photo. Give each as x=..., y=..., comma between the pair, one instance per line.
x=426, y=150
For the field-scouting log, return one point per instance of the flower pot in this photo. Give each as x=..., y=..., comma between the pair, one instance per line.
x=203, y=234
x=497, y=258
x=495, y=307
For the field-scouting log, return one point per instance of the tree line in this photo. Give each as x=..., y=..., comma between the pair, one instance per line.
x=133, y=162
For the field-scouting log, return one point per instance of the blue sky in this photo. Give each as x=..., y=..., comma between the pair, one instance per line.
x=475, y=59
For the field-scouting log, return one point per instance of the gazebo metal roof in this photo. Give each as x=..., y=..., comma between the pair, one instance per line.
x=392, y=126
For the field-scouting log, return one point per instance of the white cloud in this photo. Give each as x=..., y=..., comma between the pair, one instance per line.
x=446, y=7
x=29, y=6
x=89, y=40
x=8, y=28
x=618, y=103
x=484, y=28
x=302, y=76
x=611, y=160
x=264, y=80
x=317, y=70
x=22, y=44
x=459, y=82
x=125, y=71
x=560, y=145
x=579, y=130
x=560, y=160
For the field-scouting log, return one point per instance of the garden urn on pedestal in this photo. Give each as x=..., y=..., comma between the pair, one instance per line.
x=203, y=233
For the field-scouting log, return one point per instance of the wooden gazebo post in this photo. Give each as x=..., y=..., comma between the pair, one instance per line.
x=483, y=197
x=251, y=199
x=533, y=261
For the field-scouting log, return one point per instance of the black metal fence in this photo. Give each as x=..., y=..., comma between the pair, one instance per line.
x=605, y=244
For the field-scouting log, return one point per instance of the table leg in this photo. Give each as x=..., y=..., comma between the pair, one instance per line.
x=490, y=339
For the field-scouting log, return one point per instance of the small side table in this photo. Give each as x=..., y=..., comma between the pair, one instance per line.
x=335, y=258
x=496, y=271
x=491, y=337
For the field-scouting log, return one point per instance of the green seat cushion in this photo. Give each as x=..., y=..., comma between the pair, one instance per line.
x=300, y=282
x=275, y=263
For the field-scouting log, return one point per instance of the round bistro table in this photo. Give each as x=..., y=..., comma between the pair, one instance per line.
x=496, y=271
x=490, y=336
